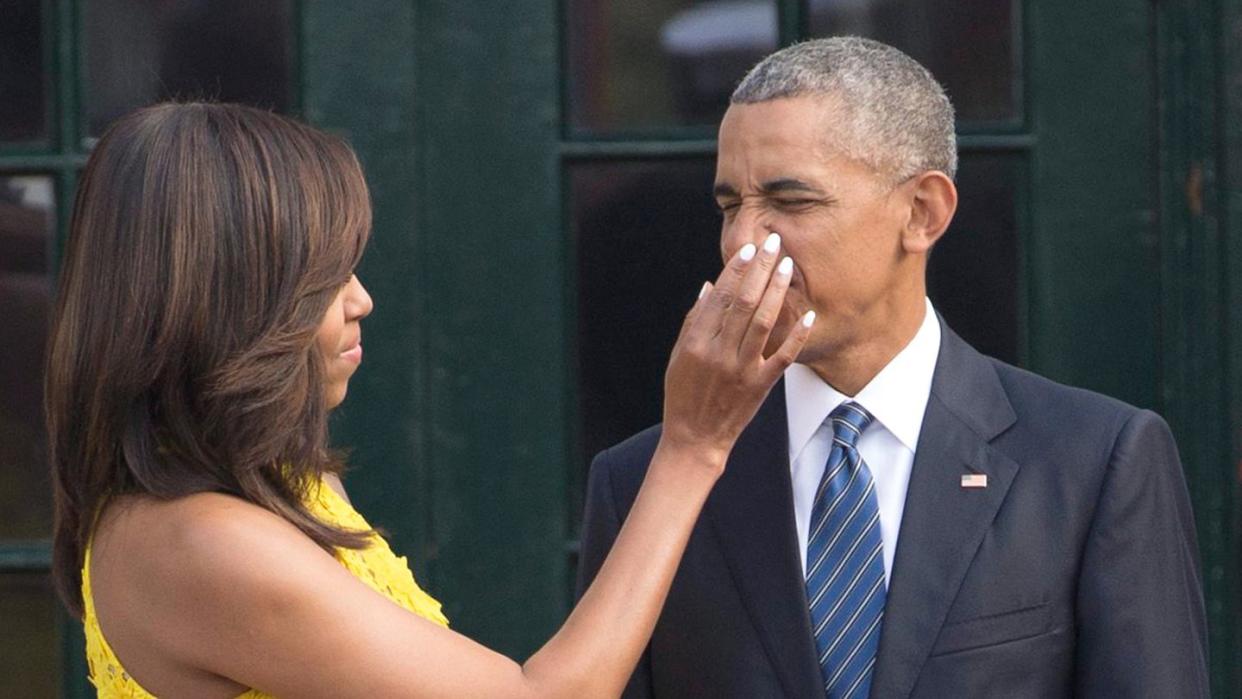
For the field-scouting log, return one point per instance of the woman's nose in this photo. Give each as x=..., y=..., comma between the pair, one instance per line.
x=359, y=301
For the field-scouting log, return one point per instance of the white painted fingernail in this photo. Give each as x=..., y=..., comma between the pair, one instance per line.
x=785, y=267
x=772, y=244
x=747, y=253
x=704, y=289
x=809, y=319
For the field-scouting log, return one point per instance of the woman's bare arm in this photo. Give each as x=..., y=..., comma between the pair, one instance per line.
x=232, y=590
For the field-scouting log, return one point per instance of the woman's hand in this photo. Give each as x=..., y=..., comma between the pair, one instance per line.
x=717, y=376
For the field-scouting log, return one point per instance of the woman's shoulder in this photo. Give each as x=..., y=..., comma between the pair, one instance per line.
x=176, y=581
x=199, y=544
x=193, y=530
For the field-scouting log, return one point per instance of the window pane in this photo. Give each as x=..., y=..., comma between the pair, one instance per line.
x=967, y=44
x=663, y=63
x=973, y=273
x=23, y=78
x=139, y=52
x=29, y=642
x=26, y=229
x=647, y=237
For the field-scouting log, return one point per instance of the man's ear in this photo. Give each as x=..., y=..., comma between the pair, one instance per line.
x=933, y=200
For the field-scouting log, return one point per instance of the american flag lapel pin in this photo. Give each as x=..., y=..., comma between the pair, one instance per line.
x=974, y=480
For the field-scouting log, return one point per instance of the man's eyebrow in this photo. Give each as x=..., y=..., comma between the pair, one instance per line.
x=789, y=184
x=723, y=189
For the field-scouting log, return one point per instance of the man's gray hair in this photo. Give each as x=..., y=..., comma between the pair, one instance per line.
x=897, y=118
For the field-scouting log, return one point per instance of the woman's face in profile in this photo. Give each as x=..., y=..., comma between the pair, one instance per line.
x=340, y=338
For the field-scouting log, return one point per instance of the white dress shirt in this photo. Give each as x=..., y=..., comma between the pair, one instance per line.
x=897, y=398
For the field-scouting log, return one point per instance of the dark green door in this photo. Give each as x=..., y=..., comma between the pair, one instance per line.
x=541, y=175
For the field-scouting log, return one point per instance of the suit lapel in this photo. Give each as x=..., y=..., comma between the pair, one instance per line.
x=751, y=510
x=943, y=523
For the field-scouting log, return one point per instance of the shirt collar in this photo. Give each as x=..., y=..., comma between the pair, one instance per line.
x=897, y=396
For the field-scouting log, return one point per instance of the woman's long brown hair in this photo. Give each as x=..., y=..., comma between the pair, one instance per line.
x=206, y=244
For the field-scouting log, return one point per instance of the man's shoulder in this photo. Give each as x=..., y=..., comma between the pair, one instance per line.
x=1067, y=420
x=624, y=464
x=632, y=453
x=1030, y=414
x=1029, y=393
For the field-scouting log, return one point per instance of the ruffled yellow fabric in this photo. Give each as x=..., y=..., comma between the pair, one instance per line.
x=377, y=566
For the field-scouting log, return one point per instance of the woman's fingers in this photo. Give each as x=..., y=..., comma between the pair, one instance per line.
x=715, y=305
x=750, y=291
x=789, y=350
x=694, y=310
x=735, y=316
x=764, y=318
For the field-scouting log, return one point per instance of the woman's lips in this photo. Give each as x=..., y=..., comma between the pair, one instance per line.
x=353, y=354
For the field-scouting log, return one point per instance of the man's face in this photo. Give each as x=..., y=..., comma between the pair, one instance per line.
x=779, y=170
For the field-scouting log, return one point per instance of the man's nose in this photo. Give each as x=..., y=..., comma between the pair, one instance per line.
x=748, y=226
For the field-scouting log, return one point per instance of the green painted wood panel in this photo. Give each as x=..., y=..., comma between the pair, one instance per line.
x=1230, y=195
x=458, y=419
x=1193, y=306
x=1197, y=271
x=358, y=81
x=76, y=681
x=497, y=344
x=1093, y=275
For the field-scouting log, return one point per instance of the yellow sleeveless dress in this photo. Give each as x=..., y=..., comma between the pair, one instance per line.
x=377, y=566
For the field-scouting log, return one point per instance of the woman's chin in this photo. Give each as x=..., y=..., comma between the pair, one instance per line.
x=336, y=395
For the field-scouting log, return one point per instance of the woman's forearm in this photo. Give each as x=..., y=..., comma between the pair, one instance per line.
x=596, y=650
x=716, y=379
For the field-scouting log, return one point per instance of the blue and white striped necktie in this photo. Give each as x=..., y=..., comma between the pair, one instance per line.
x=845, y=562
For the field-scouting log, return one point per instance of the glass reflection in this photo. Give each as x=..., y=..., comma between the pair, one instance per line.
x=26, y=226
x=972, y=277
x=663, y=63
x=28, y=643
x=23, y=77
x=144, y=51
x=967, y=44
x=647, y=237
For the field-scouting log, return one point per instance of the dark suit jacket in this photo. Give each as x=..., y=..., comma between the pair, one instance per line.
x=1073, y=573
